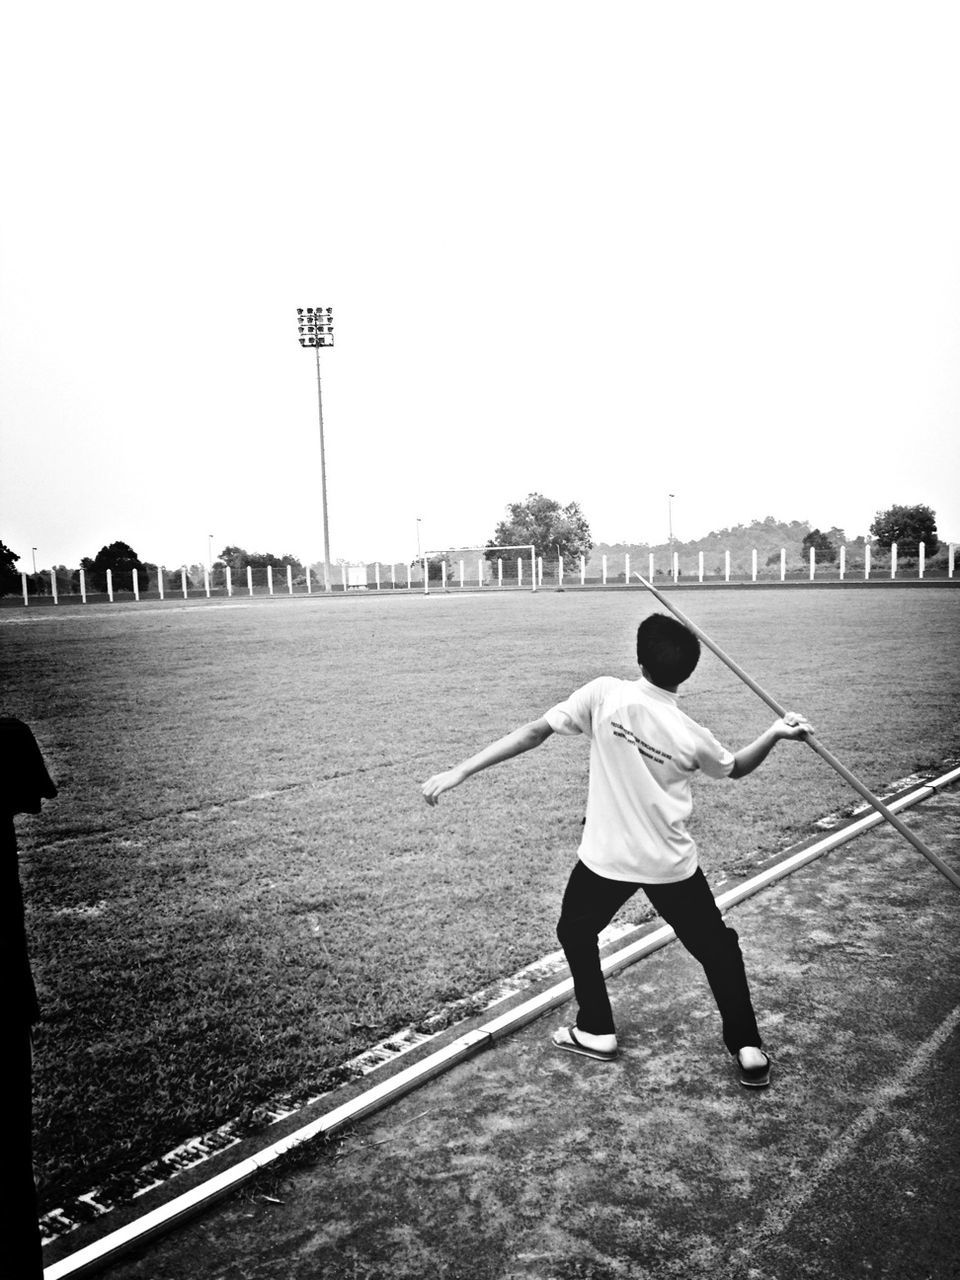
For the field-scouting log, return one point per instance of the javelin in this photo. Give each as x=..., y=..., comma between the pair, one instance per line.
x=818, y=747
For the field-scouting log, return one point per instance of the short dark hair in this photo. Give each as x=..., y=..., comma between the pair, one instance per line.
x=667, y=649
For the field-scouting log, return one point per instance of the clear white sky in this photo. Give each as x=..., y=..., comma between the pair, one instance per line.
x=605, y=251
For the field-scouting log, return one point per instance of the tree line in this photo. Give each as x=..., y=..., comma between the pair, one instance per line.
x=121, y=559
x=556, y=530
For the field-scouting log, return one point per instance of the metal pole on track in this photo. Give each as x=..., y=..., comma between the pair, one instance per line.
x=812, y=740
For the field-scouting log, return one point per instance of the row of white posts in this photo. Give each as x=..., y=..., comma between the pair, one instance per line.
x=675, y=572
x=675, y=568
x=183, y=583
x=347, y=583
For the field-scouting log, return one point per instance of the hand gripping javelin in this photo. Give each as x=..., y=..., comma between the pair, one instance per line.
x=818, y=747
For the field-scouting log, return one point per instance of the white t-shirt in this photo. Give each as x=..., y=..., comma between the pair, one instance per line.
x=643, y=753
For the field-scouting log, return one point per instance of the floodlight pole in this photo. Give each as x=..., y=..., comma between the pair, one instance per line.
x=811, y=741
x=316, y=330
x=323, y=484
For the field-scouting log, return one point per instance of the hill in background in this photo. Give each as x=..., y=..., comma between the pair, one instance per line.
x=767, y=536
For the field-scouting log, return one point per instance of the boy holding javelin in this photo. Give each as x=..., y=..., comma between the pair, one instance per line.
x=643, y=753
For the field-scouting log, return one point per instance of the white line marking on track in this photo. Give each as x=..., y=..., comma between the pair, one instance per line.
x=781, y=1214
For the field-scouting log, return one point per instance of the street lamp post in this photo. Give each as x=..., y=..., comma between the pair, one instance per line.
x=316, y=330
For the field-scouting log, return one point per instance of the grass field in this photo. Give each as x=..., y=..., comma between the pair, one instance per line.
x=239, y=886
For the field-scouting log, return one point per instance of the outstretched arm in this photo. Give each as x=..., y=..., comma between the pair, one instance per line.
x=792, y=727
x=514, y=744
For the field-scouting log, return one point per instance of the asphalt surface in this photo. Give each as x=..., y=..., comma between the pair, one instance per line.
x=526, y=1163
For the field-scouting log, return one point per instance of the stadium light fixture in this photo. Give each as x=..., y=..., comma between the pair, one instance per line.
x=316, y=330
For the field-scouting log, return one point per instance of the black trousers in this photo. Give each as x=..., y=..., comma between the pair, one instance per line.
x=19, y=1225
x=590, y=903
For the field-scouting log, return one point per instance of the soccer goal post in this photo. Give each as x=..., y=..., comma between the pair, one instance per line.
x=454, y=562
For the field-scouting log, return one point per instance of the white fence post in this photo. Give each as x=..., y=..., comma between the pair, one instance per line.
x=923, y=557
x=700, y=566
x=393, y=576
x=676, y=566
x=843, y=562
x=540, y=570
x=603, y=569
x=533, y=571
x=110, y=585
x=753, y=566
x=559, y=570
x=813, y=563
x=583, y=570
x=270, y=579
x=866, y=560
x=950, y=561
x=183, y=580
x=250, y=579
x=893, y=559
x=499, y=572
x=726, y=566
x=206, y=582
x=229, y=577
x=783, y=564
x=289, y=579
x=443, y=574
x=461, y=575
x=651, y=567
x=343, y=575
x=306, y=571
x=53, y=585
x=480, y=571
x=23, y=583
x=626, y=568
x=519, y=571
x=83, y=585
x=136, y=585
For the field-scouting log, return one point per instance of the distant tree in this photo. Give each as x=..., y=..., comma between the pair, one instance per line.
x=543, y=522
x=260, y=560
x=435, y=568
x=68, y=580
x=9, y=578
x=121, y=560
x=907, y=527
x=824, y=548
x=295, y=565
x=237, y=558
